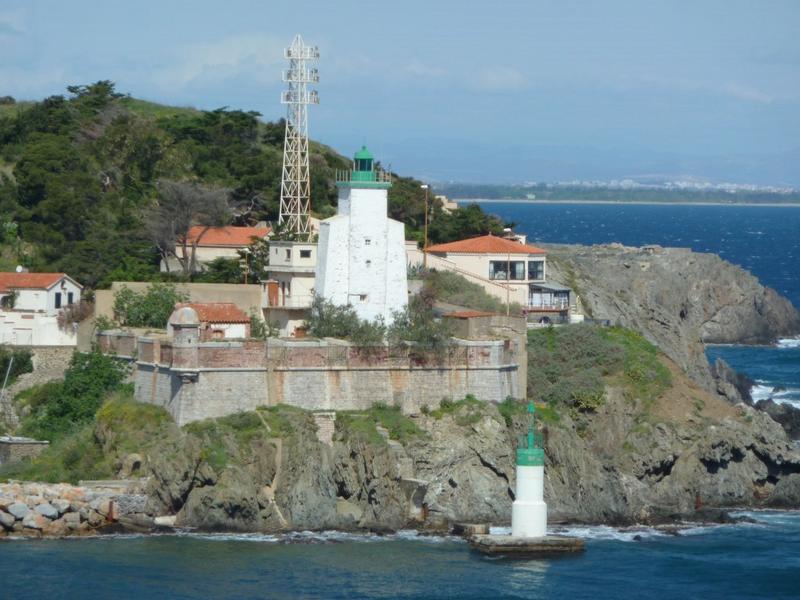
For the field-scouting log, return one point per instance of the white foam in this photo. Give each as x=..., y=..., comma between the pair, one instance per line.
x=319, y=537
x=789, y=342
x=761, y=392
x=604, y=532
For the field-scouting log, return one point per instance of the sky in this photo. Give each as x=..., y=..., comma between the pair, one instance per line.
x=468, y=91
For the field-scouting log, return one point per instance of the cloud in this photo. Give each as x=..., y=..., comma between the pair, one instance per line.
x=12, y=22
x=7, y=28
x=735, y=90
x=260, y=56
x=418, y=69
x=498, y=79
x=745, y=92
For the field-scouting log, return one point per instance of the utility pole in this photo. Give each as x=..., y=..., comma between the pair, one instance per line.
x=508, y=284
x=424, y=186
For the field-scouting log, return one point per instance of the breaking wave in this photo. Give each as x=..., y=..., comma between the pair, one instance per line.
x=761, y=391
x=789, y=342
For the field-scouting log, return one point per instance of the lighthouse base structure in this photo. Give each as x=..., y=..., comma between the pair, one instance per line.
x=529, y=511
x=510, y=546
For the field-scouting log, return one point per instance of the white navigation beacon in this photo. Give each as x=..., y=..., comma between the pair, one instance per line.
x=529, y=511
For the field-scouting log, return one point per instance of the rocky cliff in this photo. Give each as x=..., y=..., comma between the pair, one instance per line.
x=679, y=299
x=626, y=462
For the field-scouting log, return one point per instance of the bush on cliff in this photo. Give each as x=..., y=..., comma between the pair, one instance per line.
x=58, y=408
x=97, y=449
x=20, y=359
x=570, y=366
x=452, y=288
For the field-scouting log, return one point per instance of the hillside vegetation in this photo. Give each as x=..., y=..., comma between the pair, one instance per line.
x=81, y=175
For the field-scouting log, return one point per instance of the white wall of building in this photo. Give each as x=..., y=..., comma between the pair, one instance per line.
x=34, y=329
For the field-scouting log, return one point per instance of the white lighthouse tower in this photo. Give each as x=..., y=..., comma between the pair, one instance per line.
x=529, y=512
x=362, y=259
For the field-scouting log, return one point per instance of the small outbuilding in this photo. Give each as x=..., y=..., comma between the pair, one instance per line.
x=218, y=320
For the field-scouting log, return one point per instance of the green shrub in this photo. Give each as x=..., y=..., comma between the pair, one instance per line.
x=399, y=426
x=71, y=458
x=127, y=426
x=327, y=319
x=358, y=426
x=570, y=365
x=70, y=404
x=511, y=407
x=467, y=411
x=150, y=308
x=20, y=359
x=416, y=327
x=452, y=288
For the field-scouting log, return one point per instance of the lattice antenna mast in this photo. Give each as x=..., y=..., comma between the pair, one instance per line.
x=295, y=182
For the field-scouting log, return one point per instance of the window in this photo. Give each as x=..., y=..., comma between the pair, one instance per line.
x=362, y=298
x=536, y=270
x=369, y=264
x=305, y=253
x=70, y=298
x=288, y=254
x=367, y=241
x=58, y=299
x=498, y=268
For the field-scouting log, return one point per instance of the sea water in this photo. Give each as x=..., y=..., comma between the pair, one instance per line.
x=750, y=560
x=765, y=240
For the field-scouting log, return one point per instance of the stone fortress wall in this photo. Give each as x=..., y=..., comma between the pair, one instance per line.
x=196, y=380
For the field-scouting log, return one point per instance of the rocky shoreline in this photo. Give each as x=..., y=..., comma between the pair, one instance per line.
x=34, y=510
x=30, y=510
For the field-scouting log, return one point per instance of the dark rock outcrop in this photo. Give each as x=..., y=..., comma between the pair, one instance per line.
x=785, y=414
x=734, y=386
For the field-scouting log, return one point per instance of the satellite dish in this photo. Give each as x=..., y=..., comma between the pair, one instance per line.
x=20, y=268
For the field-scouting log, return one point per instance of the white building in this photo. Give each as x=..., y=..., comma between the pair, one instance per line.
x=507, y=268
x=29, y=307
x=289, y=289
x=218, y=320
x=362, y=260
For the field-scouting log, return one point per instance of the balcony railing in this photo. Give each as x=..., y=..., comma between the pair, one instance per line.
x=556, y=304
x=286, y=301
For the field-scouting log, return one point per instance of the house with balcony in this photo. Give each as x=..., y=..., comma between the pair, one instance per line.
x=509, y=269
x=30, y=304
x=289, y=287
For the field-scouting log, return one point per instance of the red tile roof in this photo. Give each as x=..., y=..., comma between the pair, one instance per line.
x=36, y=281
x=486, y=244
x=234, y=237
x=216, y=312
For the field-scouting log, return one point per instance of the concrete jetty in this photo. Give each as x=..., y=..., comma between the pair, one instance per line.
x=511, y=546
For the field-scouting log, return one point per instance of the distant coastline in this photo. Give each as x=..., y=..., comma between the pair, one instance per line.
x=654, y=202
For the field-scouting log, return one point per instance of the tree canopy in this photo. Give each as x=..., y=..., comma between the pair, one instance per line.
x=84, y=175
